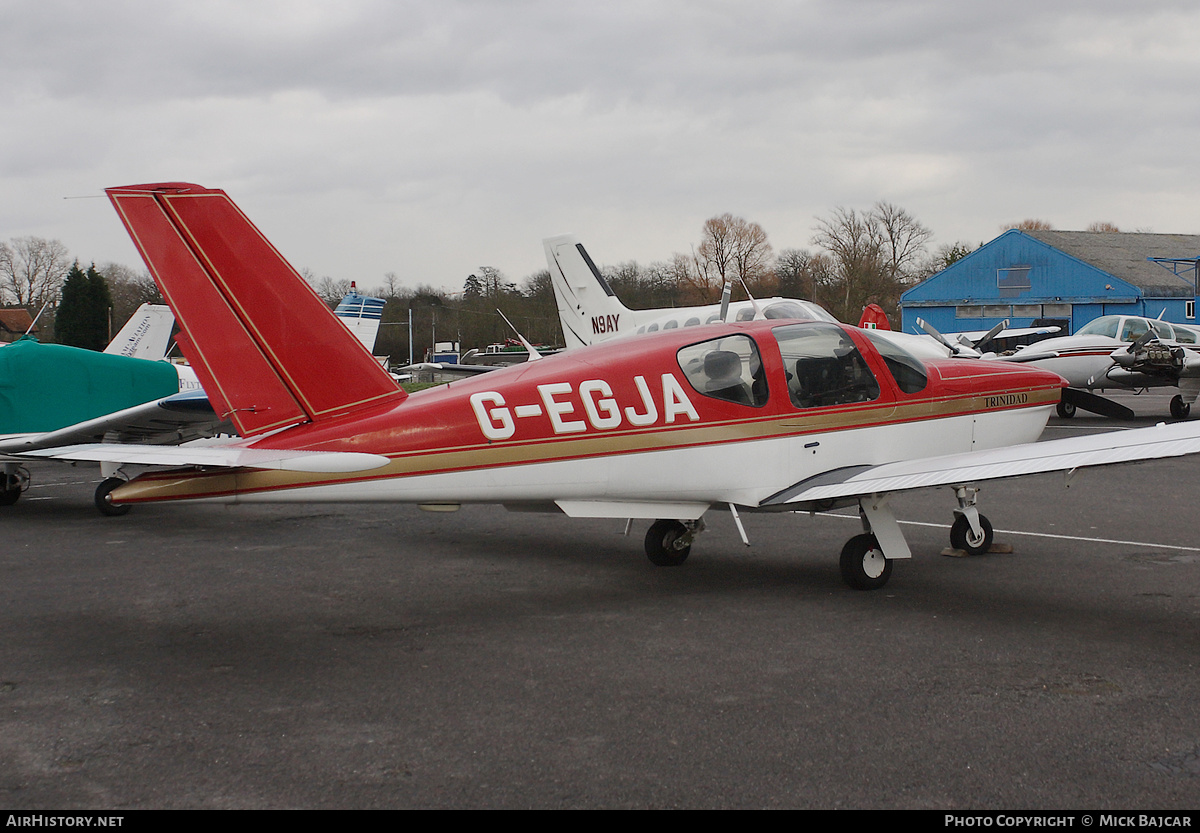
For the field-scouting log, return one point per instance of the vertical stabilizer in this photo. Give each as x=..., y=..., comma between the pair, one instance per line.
x=588, y=309
x=145, y=335
x=259, y=338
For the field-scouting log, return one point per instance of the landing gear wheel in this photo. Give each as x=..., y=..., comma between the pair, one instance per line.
x=1179, y=408
x=662, y=543
x=13, y=481
x=1065, y=409
x=961, y=537
x=863, y=564
x=104, y=498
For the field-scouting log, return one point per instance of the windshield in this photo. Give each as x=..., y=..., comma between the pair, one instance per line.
x=1105, y=325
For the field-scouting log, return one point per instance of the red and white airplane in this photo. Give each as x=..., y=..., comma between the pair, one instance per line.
x=769, y=415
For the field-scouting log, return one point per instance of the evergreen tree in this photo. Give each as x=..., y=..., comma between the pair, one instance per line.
x=82, y=319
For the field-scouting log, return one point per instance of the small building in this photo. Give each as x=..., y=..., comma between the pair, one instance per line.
x=15, y=323
x=1067, y=276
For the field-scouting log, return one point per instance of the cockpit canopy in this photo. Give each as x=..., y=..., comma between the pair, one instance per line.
x=1130, y=328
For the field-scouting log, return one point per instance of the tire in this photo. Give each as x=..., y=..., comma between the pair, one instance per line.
x=1065, y=409
x=1179, y=408
x=962, y=539
x=863, y=564
x=9, y=496
x=104, y=500
x=660, y=544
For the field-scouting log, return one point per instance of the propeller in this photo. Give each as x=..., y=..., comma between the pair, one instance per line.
x=1126, y=356
x=1092, y=403
x=990, y=334
x=957, y=350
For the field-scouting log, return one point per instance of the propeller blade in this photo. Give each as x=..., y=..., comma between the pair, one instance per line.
x=1089, y=401
x=932, y=331
x=1141, y=341
x=991, y=334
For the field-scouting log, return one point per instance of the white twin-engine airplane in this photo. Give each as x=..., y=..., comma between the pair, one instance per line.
x=772, y=415
x=1123, y=352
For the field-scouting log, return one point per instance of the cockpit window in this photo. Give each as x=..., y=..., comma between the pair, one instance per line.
x=745, y=314
x=906, y=369
x=823, y=366
x=726, y=368
x=1105, y=325
x=1134, y=329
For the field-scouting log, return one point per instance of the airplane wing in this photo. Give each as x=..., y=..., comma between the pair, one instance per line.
x=993, y=464
x=174, y=419
x=458, y=371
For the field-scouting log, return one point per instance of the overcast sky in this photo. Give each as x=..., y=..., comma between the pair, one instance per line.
x=430, y=138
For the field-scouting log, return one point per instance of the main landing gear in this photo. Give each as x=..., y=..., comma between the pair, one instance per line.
x=668, y=543
x=971, y=532
x=1179, y=408
x=863, y=564
x=13, y=480
x=113, y=477
x=103, y=498
x=866, y=559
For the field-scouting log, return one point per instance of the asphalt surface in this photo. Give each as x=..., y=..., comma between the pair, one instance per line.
x=377, y=656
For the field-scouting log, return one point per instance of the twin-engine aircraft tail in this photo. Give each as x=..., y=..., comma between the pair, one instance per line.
x=259, y=338
x=587, y=307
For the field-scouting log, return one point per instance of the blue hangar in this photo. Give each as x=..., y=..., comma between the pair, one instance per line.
x=1074, y=276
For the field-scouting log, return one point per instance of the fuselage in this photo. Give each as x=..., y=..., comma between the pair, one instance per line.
x=685, y=418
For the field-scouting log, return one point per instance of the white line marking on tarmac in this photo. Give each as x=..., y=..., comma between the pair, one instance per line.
x=1038, y=534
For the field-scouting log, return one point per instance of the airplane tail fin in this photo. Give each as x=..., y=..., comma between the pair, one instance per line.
x=588, y=309
x=361, y=314
x=259, y=338
x=146, y=333
x=874, y=318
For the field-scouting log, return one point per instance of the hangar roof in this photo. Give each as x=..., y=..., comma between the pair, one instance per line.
x=1124, y=255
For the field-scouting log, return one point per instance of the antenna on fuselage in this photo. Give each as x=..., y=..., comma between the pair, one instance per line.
x=534, y=355
x=758, y=313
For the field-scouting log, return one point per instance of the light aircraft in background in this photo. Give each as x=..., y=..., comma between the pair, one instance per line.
x=1122, y=352
x=591, y=313
x=52, y=395
x=766, y=415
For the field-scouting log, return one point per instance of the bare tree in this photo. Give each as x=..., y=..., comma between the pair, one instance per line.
x=859, y=272
x=32, y=270
x=872, y=255
x=902, y=240
x=733, y=248
x=1029, y=225
x=1103, y=226
x=795, y=273
x=128, y=289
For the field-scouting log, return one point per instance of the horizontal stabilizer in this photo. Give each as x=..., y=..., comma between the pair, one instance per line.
x=218, y=456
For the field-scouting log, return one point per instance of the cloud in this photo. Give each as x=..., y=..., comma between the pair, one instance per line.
x=430, y=139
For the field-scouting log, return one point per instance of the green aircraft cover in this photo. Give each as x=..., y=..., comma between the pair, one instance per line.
x=44, y=387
